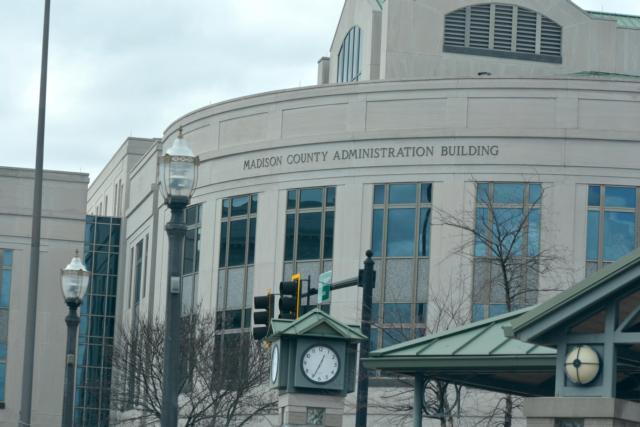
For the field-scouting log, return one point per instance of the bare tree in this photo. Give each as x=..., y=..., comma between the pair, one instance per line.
x=502, y=238
x=213, y=393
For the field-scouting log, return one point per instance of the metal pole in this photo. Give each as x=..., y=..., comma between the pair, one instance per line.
x=72, y=321
x=34, y=262
x=418, y=396
x=363, y=373
x=176, y=230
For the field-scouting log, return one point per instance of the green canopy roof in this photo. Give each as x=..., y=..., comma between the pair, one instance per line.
x=316, y=323
x=477, y=355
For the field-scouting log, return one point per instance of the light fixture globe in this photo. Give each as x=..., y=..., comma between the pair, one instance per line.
x=74, y=280
x=178, y=172
x=582, y=365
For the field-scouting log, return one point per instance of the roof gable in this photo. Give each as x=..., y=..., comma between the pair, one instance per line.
x=316, y=323
x=565, y=308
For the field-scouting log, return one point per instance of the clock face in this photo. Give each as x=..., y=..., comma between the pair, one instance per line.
x=275, y=356
x=320, y=364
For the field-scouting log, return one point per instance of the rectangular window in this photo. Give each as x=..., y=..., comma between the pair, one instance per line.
x=97, y=319
x=236, y=258
x=309, y=232
x=611, y=224
x=400, y=242
x=138, y=271
x=191, y=259
x=6, y=263
x=507, y=247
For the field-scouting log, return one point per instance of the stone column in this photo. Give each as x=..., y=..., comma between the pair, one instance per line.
x=299, y=409
x=583, y=411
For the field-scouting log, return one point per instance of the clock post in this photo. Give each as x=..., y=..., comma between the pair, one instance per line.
x=313, y=366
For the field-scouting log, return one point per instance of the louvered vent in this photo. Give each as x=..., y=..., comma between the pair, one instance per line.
x=526, y=38
x=479, y=26
x=503, y=27
x=551, y=38
x=455, y=25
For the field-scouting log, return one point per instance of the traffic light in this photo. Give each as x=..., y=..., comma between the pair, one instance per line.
x=290, y=298
x=262, y=318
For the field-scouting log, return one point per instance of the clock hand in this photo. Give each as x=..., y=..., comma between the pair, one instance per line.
x=319, y=364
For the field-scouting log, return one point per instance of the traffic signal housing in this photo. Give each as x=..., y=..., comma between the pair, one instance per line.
x=289, y=303
x=262, y=318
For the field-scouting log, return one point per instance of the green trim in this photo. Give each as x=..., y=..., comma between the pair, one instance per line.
x=316, y=323
x=623, y=21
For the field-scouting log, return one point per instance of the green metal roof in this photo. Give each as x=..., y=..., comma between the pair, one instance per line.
x=316, y=323
x=624, y=21
x=596, y=288
x=476, y=355
x=484, y=338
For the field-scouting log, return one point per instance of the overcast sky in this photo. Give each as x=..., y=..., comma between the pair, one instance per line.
x=120, y=68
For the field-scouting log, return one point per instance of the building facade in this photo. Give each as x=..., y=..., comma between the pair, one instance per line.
x=63, y=218
x=426, y=113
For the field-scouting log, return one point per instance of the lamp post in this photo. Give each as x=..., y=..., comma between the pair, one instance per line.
x=178, y=171
x=74, y=280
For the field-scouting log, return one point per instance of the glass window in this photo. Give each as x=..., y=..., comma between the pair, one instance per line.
x=611, y=224
x=400, y=241
x=507, y=237
x=309, y=230
x=349, y=57
x=237, y=248
x=402, y=193
x=400, y=232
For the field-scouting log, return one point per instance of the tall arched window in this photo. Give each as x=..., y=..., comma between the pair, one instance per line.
x=349, y=57
x=503, y=30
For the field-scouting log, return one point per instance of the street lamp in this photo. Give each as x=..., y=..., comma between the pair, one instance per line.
x=178, y=171
x=74, y=280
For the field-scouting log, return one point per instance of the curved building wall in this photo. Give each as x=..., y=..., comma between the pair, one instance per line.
x=563, y=133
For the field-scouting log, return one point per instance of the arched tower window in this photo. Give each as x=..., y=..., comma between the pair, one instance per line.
x=503, y=30
x=349, y=57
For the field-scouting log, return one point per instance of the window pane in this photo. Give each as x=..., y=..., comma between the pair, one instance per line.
x=619, y=234
x=189, y=251
x=115, y=235
x=311, y=198
x=482, y=193
x=254, y=203
x=508, y=229
x=7, y=257
x=288, y=239
x=594, y=195
x=235, y=288
x=378, y=194
x=397, y=313
x=593, y=235
x=424, y=232
x=6, y=288
x=252, y=240
x=620, y=197
x=478, y=312
x=425, y=193
x=309, y=235
x=400, y=229
x=223, y=244
x=394, y=336
x=376, y=239
x=331, y=196
x=534, y=232
x=508, y=193
x=192, y=215
x=402, y=193
x=421, y=313
x=328, y=234
x=535, y=193
x=399, y=280
x=497, y=309
x=237, y=242
x=291, y=199
x=225, y=208
x=482, y=232
x=239, y=205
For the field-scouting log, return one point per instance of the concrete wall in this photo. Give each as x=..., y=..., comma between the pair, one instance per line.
x=412, y=38
x=63, y=213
